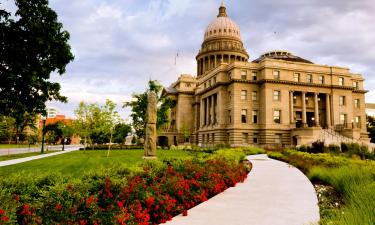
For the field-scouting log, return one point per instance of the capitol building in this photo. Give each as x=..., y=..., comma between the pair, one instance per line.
x=276, y=99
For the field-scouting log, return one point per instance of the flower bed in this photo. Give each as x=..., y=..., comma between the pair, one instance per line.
x=152, y=196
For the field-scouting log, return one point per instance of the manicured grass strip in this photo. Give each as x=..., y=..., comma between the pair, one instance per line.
x=16, y=146
x=22, y=155
x=77, y=162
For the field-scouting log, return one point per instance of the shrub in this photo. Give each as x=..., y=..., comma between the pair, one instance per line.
x=152, y=193
x=335, y=149
x=317, y=147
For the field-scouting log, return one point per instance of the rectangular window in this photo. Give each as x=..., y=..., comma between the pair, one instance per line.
x=230, y=95
x=230, y=75
x=342, y=100
x=278, y=139
x=255, y=76
x=255, y=138
x=205, y=85
x=244, y=115
x=321, y=79
x=215, y=80
x=296, y=77
x=343, y=119
x=209, y=83
x=341, y=81
x=229, y=117
x=243, y=95
x=255, y=116
x=356, y=103
x=254, y=96
x=276, y=116
x=357, y=121
x=243, y=75
x=245, y=138
x=276, y=95
x=309, y=78
x=276, y=75
x=355, y=84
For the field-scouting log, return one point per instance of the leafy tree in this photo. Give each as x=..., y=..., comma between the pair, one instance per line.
x=66, y=133
x=139, y=108
x=121, y=131
x=7, y=128
x=33, y=45
x=53, y=132
x=371, y=127
x=83, y=123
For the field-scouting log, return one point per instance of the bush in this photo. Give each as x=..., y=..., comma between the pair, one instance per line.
x=152, y=193
x=317, y=147
x=335, y=149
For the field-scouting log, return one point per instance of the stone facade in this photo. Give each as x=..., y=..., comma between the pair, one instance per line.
x=276, y=99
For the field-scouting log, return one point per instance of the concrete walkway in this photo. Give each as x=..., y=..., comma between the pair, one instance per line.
x=21, y=160
x=274, y=193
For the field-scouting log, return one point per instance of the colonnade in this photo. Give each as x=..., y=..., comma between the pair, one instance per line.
x=210, y=62
x=208, y=112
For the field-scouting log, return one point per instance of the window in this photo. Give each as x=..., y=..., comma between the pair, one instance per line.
x=244, y=115
x=276, y=116
x=357, y=121
x=229, y=117
x=255, y=116
x=342, y=100
x=209, y=83
x=243, y=95
x=355, y=84
x=296, y=77
x=278, y=139
x=276, y=95
x=205, y=85
x=230, y=75
x=230, y=95
x=276, y=75
x=321, y=79
x=245, y=138
x=255, y=76
x=309, y=78
x=356, y=103
x=254, y=96
x=215, y=80
x=243, y=75
x=341, y=81
x=255, y=138
x=187, y=85
x=343, y=119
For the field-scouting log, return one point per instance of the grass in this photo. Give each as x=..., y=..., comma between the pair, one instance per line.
x=22, y=155
x=357, y=185
x=16, y=146
x=78, y=162
x=352, y=179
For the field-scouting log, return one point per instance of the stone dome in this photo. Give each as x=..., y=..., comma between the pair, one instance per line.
x=222, y=26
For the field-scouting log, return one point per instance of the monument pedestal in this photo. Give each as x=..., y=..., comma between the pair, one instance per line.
x=149, y=157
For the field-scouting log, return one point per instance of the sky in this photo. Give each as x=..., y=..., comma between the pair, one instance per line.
x=120, y=45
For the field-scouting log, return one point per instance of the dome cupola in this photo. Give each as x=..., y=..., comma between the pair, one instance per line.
x=221, y=44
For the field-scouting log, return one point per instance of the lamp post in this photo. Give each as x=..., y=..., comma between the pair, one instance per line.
x=44, y=118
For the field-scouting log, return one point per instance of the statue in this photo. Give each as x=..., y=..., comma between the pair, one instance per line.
x=129, y=139
x=150, y=141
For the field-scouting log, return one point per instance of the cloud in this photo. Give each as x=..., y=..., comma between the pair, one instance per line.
x=119, y=45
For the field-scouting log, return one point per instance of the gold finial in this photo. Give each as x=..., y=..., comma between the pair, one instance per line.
x=222, y=10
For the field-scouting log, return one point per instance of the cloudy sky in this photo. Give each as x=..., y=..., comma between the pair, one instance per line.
x=120, y=44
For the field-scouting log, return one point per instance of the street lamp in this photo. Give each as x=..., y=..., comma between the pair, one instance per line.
x=44, y=118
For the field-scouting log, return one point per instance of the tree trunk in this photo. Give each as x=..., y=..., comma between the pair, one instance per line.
x=110, y=142
x=84, y=146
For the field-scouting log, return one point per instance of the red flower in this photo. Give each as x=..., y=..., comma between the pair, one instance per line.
x=58, y=207
x=17, y=197
x=1, y=212
x=120, y=204
x=82, y=222
x=4, y=218
x=185, y=213
x=89, y=200
x=150, y=201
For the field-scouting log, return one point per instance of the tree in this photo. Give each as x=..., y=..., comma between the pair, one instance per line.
x=110, y=118
x=83, y=122
x=371, y=127
x=33, y=45
x=139, y=108
x=7, y=128
x=66, y=133
x=120, y=132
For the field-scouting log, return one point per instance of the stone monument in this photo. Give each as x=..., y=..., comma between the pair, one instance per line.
x=150, y=141
x=129, y=139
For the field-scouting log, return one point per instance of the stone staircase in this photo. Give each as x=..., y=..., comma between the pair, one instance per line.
x=330, y=136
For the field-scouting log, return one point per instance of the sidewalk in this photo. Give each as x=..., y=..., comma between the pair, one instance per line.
x=21, y=160
x=274, y=193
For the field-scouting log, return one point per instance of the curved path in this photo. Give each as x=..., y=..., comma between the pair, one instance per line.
x=274, y=193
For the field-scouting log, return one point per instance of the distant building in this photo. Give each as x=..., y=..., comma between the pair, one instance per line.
x=54, y=118
x=276, y=99
x=51, y=112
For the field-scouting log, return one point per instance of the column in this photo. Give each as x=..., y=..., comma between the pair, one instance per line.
x=202, y=113
x=304, y=122
x=328, y=111
x=291, y=107
x=316, y=110
x=207, y=112
x=209, y=62
x=212, y=109
x=215, y=61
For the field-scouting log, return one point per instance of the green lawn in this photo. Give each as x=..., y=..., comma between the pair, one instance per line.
x=22, y=155
x=16, y=146
x=78, y=162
